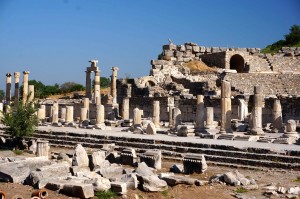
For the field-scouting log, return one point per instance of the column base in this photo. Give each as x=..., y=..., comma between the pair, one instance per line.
x=257, y=131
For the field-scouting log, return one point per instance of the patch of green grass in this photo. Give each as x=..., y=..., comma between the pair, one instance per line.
x=241, y=190
x=298, y=179
x=165, y=193
x=18, y=152
x=105, y=194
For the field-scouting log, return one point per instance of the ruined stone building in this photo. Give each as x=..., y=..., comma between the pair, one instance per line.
x=184, y=71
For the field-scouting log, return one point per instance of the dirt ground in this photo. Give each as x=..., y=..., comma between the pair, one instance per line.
x=285, y=178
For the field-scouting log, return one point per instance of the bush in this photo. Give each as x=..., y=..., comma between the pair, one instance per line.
x=105, y=194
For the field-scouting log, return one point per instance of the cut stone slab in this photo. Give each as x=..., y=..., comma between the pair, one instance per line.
x=235, y=178
x=97, y=160
x=152, y=183
x=14, y=173
x=80, y=157
x=119, y=187
x=152, y=158
x=194, y=163
x=111, y=172
x=151, y=129
x=143, y=169
x=99, y=183
x=78, y=190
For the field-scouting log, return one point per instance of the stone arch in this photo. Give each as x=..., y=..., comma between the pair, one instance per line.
x=237, y=63
x=147, y=81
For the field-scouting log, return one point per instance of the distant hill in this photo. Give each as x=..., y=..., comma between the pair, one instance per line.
x=290, y=40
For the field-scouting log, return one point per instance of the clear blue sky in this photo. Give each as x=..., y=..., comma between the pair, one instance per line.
x=55, y=39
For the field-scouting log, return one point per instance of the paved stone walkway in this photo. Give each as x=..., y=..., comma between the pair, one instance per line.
x=116, y=131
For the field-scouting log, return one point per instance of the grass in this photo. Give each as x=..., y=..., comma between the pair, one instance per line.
x=297, y=180
x=165, y=193
x=241, y=190
x=105, y=194
x=18, y=152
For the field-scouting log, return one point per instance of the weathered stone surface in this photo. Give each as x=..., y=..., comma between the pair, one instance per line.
x=151, y=129
x=143, y=169
x=294, y=190
x=119, y=187
x=78, y=170
x=130, y=180
x=194, y=163
x=235, y=178
x=177, y=168
x=152, y=158
x=78, y=190
x=152, y=183
x=111, y=172
x=80, y=157
x=99, y=183
x=97, y=160
x=14, y=173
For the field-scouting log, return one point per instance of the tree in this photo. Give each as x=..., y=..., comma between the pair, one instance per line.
x=104, y=82
x=70, y=87
x=20, y=122
x=291, y=40
x=51, y=90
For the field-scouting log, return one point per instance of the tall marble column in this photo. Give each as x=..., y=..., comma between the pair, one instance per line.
x=8, y=88
x=86, y=104
x=256, y=115
x=156, y=114
x=210, y=118
x=31, y=93
x=125, y=108
x=225, y=107
x=55, y=109
x=113, y=86
x=97, y=94
x=200, y=113
x=63, y=114
x=69, y=115
x=100, y=113
x=25, y=86
x=16, y=95
x=88, y=86
x=277, y=126
x=242, y=110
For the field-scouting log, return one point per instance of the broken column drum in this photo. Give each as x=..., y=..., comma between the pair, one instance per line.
x=83, y=114
x=242, y=110
x=156, y=113
x=277, y=117
x=8, y=88
x=256, y=115
x=200, y=113
x=25, y=86
x=42, y=148
x=210, y=118
x=137, y=117
x=100, y=114
x=17, y=82
x=69, y=115
x=114, y=84
x=291, y=129
x=225, y=107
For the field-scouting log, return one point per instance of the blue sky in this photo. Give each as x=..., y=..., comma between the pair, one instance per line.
x=55, y=39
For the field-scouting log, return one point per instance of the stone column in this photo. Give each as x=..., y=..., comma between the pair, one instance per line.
x=63, y=114
x=256, y=115
x=137, y=117
x=225, y=107
x=1, y=111
x=100, y=113
x=42, y=148
x=200, y=113
x=291, y=130
x=156, y=114
x=170, y=110
x=277, y=117
x=8, y=88
x=242, y=110
x=125, y=108
x=83, y=114
x=86, y=104
x=17, y=82
x=88, y=89
x=113, y=86
x=210, y=118
x=31, y=93
x=97, y=95
x=41, y=114
x=69, y=115
x=25, y=86
x=176, y=116
x=55, y=113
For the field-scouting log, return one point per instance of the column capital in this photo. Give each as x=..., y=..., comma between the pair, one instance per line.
x=8, y=74
x=16, y=74
x=93, y=63
x=114, y=68
x=26, y=72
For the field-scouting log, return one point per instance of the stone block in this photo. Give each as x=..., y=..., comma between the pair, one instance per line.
x=177, y=168
x=196, y=49
x=151, y=129
x=152, y=183
x=111, y=172
x=128, y=156
x=78, y=190
x=194, y=163
x=152, y=158
x=80, y=157
x=119, y=187
x=169, y=47
x=130, y=180
x=143, y=169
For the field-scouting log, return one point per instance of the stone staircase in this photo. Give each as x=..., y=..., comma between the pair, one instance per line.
x=251, y=158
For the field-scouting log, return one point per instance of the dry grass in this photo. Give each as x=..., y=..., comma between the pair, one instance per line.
x=195, y=66
x=104, y=91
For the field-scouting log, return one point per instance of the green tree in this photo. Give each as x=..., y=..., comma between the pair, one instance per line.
x=104, y=82
x=51, y=90
x=70, y=87
x=291, y=40
x=20, y=122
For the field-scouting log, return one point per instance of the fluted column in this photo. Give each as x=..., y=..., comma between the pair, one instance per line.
x=16, y=95
x=225, y=107
x=97, y=94
x=256, y=115
x=114, y=83
x=8, y=88
x=25, y=86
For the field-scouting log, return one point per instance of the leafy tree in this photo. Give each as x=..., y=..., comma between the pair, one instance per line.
x=51, y=90
x=291, y=40
x=70, y=86
x=104, y=82
x=20, y=122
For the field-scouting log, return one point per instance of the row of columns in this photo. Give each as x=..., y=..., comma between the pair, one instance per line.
x=27, y=90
